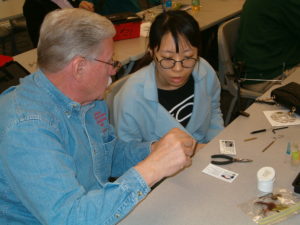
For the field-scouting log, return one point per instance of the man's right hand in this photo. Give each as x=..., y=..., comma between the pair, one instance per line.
x=87, y=5
x=169, y=155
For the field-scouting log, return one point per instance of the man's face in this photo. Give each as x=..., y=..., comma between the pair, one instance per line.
x=98, y=73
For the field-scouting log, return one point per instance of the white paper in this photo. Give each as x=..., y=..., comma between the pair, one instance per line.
x=227, y=147
x=220, y=173
x=281, y=118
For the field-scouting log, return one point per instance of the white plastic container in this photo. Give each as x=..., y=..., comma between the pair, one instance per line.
x=265, y=179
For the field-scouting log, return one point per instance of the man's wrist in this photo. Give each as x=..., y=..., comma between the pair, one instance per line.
x=149, y=173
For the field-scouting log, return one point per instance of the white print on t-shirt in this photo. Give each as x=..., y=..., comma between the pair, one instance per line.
x=182, y=105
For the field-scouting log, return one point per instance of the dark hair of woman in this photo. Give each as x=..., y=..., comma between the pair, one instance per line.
x=178, y=23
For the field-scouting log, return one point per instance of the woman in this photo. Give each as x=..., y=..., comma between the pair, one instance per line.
x=177, y=89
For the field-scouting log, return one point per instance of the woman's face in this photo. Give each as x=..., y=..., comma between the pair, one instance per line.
x=175, y=77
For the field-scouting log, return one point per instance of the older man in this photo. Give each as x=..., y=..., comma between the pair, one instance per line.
x=57, y=148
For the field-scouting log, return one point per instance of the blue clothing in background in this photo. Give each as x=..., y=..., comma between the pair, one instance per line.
x=56, y=157
x=139, y=116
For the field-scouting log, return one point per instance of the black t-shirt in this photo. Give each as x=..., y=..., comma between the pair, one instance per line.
x=180, y=102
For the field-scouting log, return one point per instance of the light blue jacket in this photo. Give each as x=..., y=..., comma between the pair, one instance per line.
x=56, y=157
x=139, y=116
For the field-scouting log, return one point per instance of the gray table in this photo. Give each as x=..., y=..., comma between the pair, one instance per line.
x=212, y=12
x=10, y=9
x=126, y=51
x=194, y=198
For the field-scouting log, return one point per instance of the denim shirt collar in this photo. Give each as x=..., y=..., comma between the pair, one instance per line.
x=67, y=104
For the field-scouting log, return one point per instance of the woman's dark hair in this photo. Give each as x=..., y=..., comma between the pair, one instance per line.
x=176, y=22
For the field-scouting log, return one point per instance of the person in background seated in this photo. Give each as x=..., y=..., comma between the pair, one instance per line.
x=35, y=11
x=58, y=151
x=177, y=89
x=106, y=7
x=268, y=43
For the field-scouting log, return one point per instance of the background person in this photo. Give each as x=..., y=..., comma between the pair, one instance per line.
x=106, y=7
x=57, y=148
x=35, y=11
x=268, y=43
x=177, y=89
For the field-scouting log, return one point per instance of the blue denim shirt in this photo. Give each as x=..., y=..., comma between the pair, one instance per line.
x=56, y=157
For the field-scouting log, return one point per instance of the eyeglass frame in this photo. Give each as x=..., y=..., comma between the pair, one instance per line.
x=175, y=61
x=115, y=63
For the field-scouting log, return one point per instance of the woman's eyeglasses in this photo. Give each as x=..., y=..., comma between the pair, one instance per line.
x=168, y=63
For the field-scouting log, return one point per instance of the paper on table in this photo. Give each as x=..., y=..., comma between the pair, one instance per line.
x=282, y=118
x=220, y=173
x=227, y=147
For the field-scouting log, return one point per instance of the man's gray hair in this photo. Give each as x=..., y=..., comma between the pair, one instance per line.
x=67, y=33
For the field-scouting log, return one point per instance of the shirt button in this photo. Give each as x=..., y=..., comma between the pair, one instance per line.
x=68, y=113
x=140, y=193
x=74, y=106
x=117, y=215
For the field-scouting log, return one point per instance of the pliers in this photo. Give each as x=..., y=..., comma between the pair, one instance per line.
x=226, y=159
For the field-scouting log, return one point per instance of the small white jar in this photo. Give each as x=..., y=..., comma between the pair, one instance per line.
x=265, y=179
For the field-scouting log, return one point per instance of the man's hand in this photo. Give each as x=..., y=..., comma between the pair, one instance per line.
x=87, y=5
x=169, y=155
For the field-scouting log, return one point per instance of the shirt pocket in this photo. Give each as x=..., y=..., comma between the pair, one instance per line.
x=103, y=155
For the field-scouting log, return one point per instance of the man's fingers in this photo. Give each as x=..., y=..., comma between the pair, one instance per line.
x=188, y=162
x=189, y=146
x=188, y=143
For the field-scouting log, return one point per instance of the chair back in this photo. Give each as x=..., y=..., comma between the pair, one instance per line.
x=227, y=38
x=110, y=94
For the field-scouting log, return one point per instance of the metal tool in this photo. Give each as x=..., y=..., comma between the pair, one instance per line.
x=272, y=142
x=226, y=159
x=269, y=145
x=279, y=128
x=264, y=130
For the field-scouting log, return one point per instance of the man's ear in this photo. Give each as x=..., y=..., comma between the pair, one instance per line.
x=78, y=67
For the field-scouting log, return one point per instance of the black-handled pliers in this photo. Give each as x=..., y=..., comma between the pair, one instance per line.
x=226, y=159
